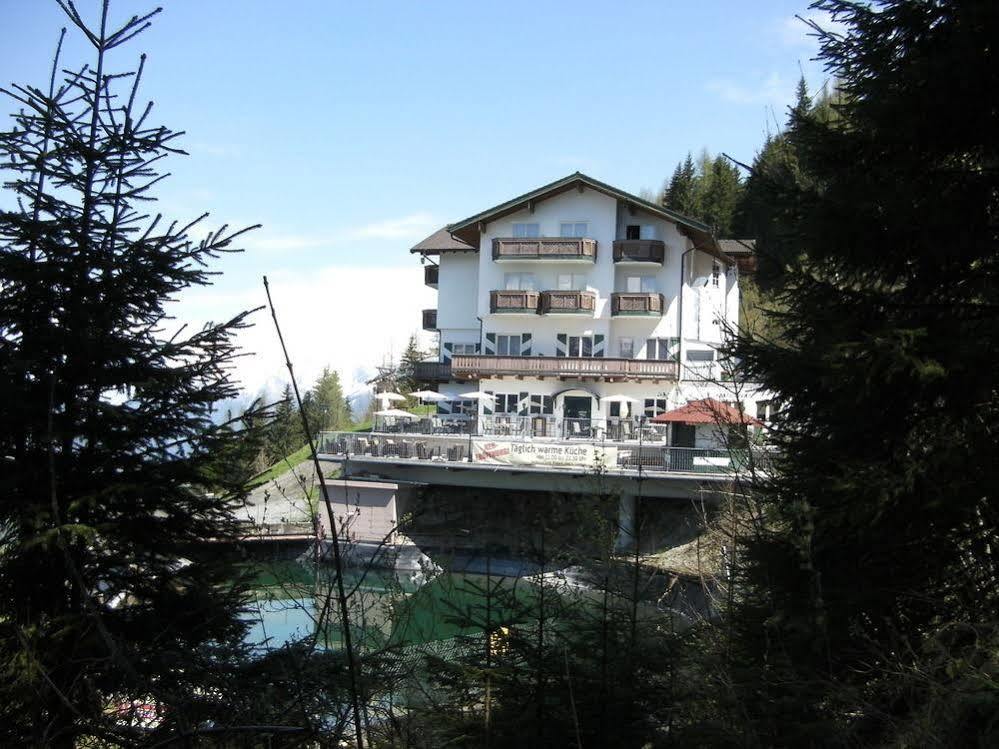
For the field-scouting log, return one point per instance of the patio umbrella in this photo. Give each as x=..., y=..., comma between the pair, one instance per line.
x=626, y=399
x=429, y=395
x=390, y=397
x=397, y=413
x=476, y=395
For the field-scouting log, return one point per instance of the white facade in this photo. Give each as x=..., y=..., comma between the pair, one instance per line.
x=699, y=288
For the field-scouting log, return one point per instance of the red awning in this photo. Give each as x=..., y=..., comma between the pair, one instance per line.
x=706, y=411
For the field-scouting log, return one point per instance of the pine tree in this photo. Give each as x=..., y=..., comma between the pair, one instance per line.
x=112, y=466
x=411, y=356
x=330, y=408
x=284, y=433
x=869, y=600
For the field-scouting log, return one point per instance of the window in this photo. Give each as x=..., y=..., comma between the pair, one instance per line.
x=506, y=403
x=508, y=345
x=571, y=281
x=464, y=348
x=519, y=282
x=580, y=346
x=573, y=229
x=715, y=273
x=542, y=405
x=645, y=231
x=615, y=410
x=662, y=349
x=701, y=355
x=626, y=347
x=523, y=231
x=640, y=284
x=766, y=410
x=654, y=407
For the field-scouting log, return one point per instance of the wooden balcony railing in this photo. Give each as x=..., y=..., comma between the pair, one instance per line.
x=639, y=251
x=430, y=319
x=629, y=303
x=431, y=273
x=513, y=301
x=545, y=248
x=432, y=371
x=477, y=366
x=559, y=302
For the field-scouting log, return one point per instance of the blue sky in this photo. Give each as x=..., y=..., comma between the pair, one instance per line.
x=352, y=130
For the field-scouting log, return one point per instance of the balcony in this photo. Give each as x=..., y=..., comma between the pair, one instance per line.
x=430, y=275
x=639, y=251
x=513, y=302
x=559, y=249
x=432, y=371
x=430, y=319
x=477, y=366
x=568, y=302
x=625, y=304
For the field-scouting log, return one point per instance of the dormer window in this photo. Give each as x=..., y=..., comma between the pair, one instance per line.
x=573, y=229
x=526, y=231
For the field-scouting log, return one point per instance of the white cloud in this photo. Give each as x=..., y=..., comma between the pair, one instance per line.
x=414, y=226
x=770, y=89
x=350, y=319
x=411, y=228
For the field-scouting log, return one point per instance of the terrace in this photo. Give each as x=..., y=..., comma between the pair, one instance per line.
x=625, y=445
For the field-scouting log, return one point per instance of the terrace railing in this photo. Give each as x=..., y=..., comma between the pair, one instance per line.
x=568, y=302
x=477, y=366
x=639, y=251
x=545, y=248
x=653, y=456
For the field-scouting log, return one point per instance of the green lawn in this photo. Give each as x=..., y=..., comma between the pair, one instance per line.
x=302, y=453
x=289, y=462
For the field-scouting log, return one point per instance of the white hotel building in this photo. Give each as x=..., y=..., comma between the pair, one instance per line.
x=574, y=292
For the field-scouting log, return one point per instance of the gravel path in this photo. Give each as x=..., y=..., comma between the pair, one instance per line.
x=283, y=499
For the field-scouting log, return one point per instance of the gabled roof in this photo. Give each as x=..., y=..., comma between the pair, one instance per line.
x=467, y=230
x=441, y=241
x=737, y=246
x=706, y=411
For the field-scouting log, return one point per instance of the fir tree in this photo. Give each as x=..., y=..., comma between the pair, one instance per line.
x=869, y=602
x=411, y=356
x=330, y=410
x=113, y=469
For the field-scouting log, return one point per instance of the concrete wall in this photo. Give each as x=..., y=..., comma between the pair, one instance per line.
x=367, y=509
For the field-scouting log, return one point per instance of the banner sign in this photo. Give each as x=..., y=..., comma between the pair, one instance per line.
x=543, y=454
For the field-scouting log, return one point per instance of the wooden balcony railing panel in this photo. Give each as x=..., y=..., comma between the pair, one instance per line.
x=631, y=303
x=545, y=248
x=431, y=275
x=639, y=251
x=430, y=319
x=513, y=301
x=432, y=371
x=568, y=301
x=475, y=366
